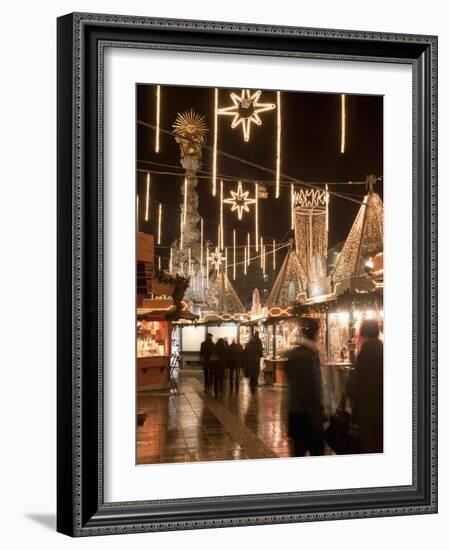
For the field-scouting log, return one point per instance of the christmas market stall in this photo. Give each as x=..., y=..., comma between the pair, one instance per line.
x=357, y=294
x=159, y=302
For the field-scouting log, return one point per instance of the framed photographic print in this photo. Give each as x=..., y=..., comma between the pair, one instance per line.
x=247, y=288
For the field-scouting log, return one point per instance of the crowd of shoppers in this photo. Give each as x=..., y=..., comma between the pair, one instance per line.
x=306, y=419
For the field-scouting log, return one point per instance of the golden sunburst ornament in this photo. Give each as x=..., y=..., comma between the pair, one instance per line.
x=190, y=129
x=240, y=201
x=245, y=110
x=190, y=125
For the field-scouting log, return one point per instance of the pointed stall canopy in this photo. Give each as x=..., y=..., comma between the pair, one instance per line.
x=291, y=280
x=222, y=298
x=364, y=241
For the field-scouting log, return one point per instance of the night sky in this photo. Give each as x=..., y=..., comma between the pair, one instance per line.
x=310, y=152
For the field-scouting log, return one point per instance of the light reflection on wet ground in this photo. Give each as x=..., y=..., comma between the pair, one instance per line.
x=196, y=426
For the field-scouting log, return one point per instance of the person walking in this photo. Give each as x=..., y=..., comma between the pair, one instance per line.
x=235, y=359
x=365, y=388
x=303, y=372
x=206, y=351
x=220, y=366
x=252, y=356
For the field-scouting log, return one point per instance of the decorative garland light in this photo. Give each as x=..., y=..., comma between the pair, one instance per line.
x=158, y=118
x=278, y=145
x=239, y=201
x=147, y=198
x=214, y=160
x=245, y=110
x=159, y=225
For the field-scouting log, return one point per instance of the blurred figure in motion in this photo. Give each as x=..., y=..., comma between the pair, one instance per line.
x=235, y=359
x=365, y=388
x=206, y=351
x=221, y=351
x=303, y=371
x=252, y=356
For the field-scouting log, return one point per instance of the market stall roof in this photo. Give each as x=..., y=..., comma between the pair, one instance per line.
x=288, y=283
x=221, y=297
x=365, y=239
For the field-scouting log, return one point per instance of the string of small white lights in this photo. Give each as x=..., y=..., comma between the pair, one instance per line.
x=206, y=174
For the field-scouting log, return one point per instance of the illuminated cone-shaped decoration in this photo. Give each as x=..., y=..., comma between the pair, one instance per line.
x=289, y=282
x=365, y=239
x=221, y=296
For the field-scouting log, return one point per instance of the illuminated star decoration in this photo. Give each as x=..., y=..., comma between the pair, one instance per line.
x=216, y=258
x=240, y=201
x=245, y=110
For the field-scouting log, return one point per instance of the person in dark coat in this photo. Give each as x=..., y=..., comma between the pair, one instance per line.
x=365, y=388
x=221, y=351
x=303, y=372
x=252, y=356
x=206, y=351
x=235, y=359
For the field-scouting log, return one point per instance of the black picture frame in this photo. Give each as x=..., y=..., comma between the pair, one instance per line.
x=81, y=509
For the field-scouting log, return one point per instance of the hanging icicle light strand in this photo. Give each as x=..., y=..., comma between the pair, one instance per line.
x=245, y=262
x=181, y=233
x=207, y=267
x=292, y=207
x=226, y=268
x=256, y=194
x=343, y=124
x=233, y=254
x=170, y=263
x=221, y=215
x=158, y=118
x=185, y=200
x=214, y=160
x=278, y=145
x=159, y=225
x=159, y=263
x=147, y=198
x=201, y=246
x=274, y=254
x=248, y=259
x=261, y=252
